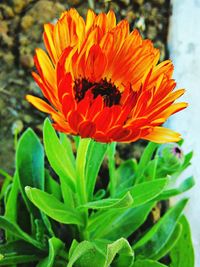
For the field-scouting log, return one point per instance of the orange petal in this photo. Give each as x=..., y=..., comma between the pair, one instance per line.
x=95, y=64
x=162, y=135
x=49, y=42
x=40, y=104
x=89, y=19
x=111, y=20
x=173, y=109
x=46, y=69
x=100, y=21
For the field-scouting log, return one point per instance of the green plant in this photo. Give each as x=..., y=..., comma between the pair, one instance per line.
x=56, y=215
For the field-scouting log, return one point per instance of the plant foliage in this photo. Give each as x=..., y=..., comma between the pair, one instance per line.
x=58, y=216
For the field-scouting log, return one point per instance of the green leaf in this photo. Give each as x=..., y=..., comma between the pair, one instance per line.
x=16, y=231
x=187, y=160
x=68, y=147
x=170, y=243
x=86, y=254
x=30, y=171
x=30, y=165
x=20, y=247
x=144, y=160
x=124, y=251
x=148, y=263
x=115, y=224
x=56, y=246
x=151, y=169
x=74, y=244
x=10, y=259
x=125, y=175
x=81, y=162
x=100, y=194
x=182, y=254
x=58, y=158
x=108, y=203
x=52, y=186
x=144, y=192
x=156, y=238
x=11, y=202
x=128, y=222
x=11, y=206
x=183, y=187
x=95, y=156
x=6, y=181
x=18, y=252
x=103, y=219
x=53, y=207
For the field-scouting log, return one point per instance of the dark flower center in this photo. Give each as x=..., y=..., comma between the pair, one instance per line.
x=108, y=91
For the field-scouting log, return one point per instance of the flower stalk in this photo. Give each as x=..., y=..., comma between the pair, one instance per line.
x=111, y=168
x=81, y=161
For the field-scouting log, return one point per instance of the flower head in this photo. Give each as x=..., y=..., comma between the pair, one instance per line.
x=103, y=81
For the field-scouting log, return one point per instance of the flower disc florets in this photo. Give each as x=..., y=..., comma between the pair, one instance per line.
x=103, y=81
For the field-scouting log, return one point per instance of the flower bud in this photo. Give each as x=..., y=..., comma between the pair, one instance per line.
x=172, y=158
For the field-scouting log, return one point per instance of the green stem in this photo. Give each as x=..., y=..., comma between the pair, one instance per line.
x=80, y=168
x=6, y=175
x=91, y=4
x=81, y=161
x=111, y=167
x=145, y=158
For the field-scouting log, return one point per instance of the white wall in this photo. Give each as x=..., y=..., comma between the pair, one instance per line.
x=184, y=46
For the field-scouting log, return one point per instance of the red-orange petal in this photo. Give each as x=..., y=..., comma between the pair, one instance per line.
x=75, y=120
x=86, y=129
x=65, y=86
x=68, y=104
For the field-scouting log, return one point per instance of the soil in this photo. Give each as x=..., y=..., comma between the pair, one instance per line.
x=21, y=26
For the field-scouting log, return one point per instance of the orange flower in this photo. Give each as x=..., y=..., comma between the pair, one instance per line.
x=103, y=81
